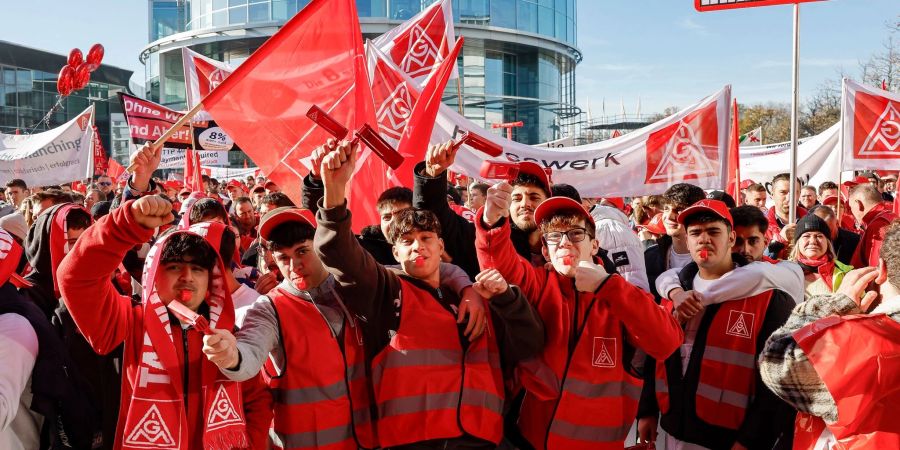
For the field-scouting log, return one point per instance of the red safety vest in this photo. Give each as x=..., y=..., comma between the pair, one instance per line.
x=858, y=359
x=728, y=369
x=592, y=401
x=427, y=387
x=311, y=402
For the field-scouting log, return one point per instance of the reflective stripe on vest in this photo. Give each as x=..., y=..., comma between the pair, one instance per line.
x=728, y=368
x=426, y=387
x=326, y=403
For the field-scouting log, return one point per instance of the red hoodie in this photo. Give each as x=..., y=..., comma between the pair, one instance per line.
x=106, y=319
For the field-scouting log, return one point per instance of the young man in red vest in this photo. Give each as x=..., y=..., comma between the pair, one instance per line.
x=582, y=391
x=435, y=385
x=172, y=397
x=874, y=216
x=303, y=319
x=710, y=393
x=837, y=360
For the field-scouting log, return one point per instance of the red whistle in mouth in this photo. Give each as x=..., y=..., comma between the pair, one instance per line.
x=419, y=262
x=567, y=260
x=704, y=254
x=184, y=296
x=301, y=284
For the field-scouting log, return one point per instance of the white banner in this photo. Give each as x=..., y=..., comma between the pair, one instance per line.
x=817, y=159
x=61, y=155
x=870, y=134
x=173, y=158
x=689, y=146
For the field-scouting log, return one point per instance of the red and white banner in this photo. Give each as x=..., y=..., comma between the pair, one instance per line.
x=419, y=45
x=870, y=131
x=689, y=146
x=147, y=121
x=101, y=162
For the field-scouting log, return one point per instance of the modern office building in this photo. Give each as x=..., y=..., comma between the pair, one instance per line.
x=518, y=62
x=28, y=92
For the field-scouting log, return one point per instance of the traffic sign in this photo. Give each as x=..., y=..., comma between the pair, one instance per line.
x=716, y=5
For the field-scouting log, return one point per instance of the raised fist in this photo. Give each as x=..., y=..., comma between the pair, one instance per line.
x=496, y=205
x=152, y=211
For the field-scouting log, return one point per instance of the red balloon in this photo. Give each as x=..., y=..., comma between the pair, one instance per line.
x=95, y=54
x=64, y=82
x=82, y=76
x=75, y=58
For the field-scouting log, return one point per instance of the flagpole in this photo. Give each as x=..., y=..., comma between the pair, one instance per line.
x=795, y=87
x=158, y=143
x=459, y=100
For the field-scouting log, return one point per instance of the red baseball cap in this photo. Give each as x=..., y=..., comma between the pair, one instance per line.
x=553, y=205
x=716, y=207
x=856, y=181
x=655, y=225
x=235, y=183
x=747, y=183
x=282, y=215
x=536, y=170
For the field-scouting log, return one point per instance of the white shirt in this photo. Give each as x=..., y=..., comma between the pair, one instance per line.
x=20, y=427
x=678, y=260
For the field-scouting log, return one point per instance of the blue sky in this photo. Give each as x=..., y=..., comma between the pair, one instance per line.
x=662, y=52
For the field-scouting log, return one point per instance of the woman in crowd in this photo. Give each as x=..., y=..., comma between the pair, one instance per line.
x=814, y=252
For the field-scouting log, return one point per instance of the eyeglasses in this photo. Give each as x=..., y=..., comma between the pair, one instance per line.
x=574, y=235
x=105, y=183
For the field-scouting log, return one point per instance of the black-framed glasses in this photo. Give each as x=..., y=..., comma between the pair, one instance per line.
x=105, y=183
x=574, y=235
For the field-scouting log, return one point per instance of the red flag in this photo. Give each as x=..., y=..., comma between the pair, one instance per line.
x=245, y=163
x=615, y=134
x=417, y=134
x=101, y=165
x=316, y=58
x=116, y=171
x=192, y=178
x=734, y=157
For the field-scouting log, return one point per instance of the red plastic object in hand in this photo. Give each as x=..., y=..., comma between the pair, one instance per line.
x=482, y=145
x=321, y=118
x=498, y=170
x=377, y=144
x=186, y=316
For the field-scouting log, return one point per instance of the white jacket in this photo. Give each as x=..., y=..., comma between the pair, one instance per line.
x=624, y=247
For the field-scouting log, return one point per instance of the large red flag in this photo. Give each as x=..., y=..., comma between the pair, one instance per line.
x=734, y=158
x=316, y=58
x=417, y=134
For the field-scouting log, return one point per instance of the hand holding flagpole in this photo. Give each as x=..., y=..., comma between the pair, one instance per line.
x=158, y=143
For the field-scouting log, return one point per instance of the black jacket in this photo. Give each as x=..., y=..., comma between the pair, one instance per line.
x=371, y=238
x=767, y=418
x=845, y=245
x=655, y=262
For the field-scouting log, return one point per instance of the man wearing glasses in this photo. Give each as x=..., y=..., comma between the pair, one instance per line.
x=105, y=184
x=582, y=392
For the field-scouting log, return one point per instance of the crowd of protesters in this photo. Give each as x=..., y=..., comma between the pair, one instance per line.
x=477, y=314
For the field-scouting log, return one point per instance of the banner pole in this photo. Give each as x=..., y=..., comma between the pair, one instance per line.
x=459, y=99
x=158, y=143
x=795, y=87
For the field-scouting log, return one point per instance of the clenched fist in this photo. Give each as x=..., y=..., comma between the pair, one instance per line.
x=220, y=348
x=496, y=205
x=439, y=158
x=588, y=276
x=152, y=211
x=489, y=283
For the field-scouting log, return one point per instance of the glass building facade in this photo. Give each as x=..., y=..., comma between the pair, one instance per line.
x=28, y=92
x=518, y=61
